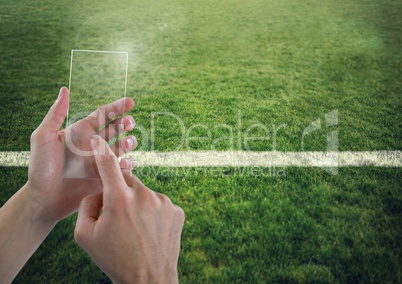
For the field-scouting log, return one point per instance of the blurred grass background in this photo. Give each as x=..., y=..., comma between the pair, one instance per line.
x=277, y=62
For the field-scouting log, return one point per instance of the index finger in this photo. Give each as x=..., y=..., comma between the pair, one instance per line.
x=108, y=167
x=108, y=112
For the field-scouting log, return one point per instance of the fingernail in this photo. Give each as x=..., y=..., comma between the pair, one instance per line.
x=131, y=125
x=60, y=93
x=130, y=143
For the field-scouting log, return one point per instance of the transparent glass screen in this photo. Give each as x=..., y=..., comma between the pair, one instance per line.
x=97, y=78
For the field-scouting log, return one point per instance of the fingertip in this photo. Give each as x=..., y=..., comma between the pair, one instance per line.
x=56, y=115
x=129, y=104
x=129, y=123
x=106, y=162
x=64, y=89
x=130, y=143
x=63, y=100
x=63, y=93
x=60, y=93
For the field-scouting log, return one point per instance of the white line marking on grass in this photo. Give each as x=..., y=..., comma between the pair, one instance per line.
x=14, y=159
x=243, y=159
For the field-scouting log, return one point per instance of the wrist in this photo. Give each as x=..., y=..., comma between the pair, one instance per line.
x=34, y=209
x=169, y=276
x=23, y=229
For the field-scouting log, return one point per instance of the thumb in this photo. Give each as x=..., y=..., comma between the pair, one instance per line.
x=55, y=117
x=108, y=167
x=88, y=214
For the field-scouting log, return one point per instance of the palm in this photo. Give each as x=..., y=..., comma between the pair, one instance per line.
x=59, y=195
x=62, y=195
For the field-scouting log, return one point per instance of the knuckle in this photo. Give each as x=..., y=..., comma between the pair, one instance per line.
x=116, y=109
x=107, y=159
x=58, y=117
x=123, y=194
x=93, y=115
x=38, y=135
x=118, y=126
x=88, y=200
x=151, y=198
x=180, y=213
x=154, y=198
x=101, y=111
x=93, y=119
x=79, y=235
x=165, y=199
x=34, y=136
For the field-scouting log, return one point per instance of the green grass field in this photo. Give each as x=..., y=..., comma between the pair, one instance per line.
x=274, y=62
